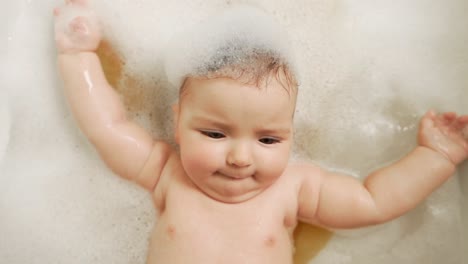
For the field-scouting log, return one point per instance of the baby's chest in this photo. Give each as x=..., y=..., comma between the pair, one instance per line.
x=198, y=240
x=193, y=218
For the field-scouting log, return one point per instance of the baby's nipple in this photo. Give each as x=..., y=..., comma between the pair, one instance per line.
x=171, y=232
x=270, y=241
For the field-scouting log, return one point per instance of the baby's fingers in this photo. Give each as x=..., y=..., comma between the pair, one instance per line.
x=447, y=120
x=449, y=117
x=461, y=124
x=464, y=119
x=428, y=119
x=78, y=2
x=76, y=27
x=82, y=3
x=79, y=25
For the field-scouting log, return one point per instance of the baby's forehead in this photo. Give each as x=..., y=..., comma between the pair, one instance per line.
x=229, y=101
x=273, y=96
x=194, y=84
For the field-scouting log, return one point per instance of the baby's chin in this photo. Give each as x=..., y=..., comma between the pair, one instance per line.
x=231, y=196
x=235, y=198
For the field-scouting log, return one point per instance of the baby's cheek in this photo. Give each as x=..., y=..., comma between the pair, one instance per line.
x=190, y=159
x=274, y=165
x=199, y=157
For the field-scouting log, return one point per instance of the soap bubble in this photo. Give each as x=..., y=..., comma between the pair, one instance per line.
x=234, y=39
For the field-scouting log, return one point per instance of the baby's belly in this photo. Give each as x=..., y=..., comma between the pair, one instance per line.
x=171, y=244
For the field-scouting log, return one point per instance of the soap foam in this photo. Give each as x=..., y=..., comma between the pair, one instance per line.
x=5, y=121
x=235, y=38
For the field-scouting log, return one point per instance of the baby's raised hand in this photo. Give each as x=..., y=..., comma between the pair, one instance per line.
x=445, y=133
x=76, y=27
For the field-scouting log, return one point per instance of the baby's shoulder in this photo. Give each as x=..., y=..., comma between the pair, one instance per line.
x=303, y=173
x=298, y=169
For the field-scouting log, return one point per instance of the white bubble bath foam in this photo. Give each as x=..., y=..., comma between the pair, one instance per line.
x=367, y=71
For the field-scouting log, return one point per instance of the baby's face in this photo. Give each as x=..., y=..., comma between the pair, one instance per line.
x=234, y=139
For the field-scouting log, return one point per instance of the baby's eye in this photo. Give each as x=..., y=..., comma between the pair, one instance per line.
x=269, y=141
x=212, y=134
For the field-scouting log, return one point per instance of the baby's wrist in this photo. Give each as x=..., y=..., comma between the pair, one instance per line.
x=67, y=46
x=78, y=56
x=440, y=154
x=75, y=52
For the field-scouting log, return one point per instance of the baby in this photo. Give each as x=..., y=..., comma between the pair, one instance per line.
x=228, y=193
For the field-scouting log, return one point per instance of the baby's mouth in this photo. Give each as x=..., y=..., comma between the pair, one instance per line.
x=233, y=177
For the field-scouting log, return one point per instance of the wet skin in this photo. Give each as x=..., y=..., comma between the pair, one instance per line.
x=228, y=193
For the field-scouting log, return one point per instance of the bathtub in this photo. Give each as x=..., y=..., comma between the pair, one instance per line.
x=368, y=71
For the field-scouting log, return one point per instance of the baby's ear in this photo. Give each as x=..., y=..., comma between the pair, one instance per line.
x=176, y=111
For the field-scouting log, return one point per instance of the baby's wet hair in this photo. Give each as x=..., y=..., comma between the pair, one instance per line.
x=255, y=67
x=243, y=43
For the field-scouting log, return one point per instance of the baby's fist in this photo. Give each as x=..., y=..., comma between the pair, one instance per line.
x=445, y=133
x=76, y=27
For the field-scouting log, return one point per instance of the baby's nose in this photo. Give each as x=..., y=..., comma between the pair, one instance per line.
x=240, y=155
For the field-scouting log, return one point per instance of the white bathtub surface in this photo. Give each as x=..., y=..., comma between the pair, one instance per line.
x=5, y=121
x=369, y=69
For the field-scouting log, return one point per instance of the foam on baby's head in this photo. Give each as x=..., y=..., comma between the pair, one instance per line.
x=243, y=42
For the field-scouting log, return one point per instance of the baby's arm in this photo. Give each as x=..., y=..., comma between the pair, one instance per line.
x=339, y=201
x=124, y=146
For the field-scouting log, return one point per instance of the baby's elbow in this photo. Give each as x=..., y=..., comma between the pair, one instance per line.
x=374, y=214
x=367, y=212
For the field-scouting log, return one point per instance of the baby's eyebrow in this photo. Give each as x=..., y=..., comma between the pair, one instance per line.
x=211, y=122
x=274, y=131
